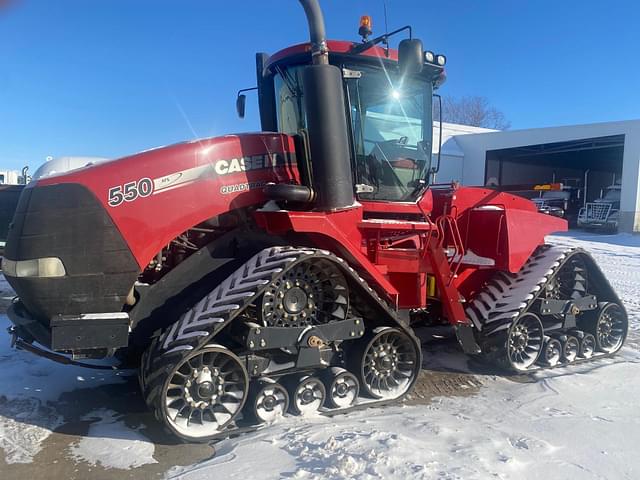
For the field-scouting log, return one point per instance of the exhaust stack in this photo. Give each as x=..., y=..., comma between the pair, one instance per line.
x=326, y=120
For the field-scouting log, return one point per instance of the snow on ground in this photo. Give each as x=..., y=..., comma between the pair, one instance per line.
x=29, y=387
x=580, y=422
x=104, y=444
x=24, y=424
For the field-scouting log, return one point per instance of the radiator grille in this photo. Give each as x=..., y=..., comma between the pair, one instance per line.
x=598, y=211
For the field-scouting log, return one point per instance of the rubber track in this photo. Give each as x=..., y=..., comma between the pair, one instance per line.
x=197, y=327
x=508, y=295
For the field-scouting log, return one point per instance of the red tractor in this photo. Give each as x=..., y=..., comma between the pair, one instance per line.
x=260, y=273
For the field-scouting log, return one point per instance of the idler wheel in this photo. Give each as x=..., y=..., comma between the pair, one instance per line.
x=524, y=342
x=388, y=363
x=587, y=346
x=204, y=392
x=610, y=327
x=570, y=348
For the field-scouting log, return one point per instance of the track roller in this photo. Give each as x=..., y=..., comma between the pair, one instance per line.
x=389, y=363
x=342, y=387
x=587, y=345
x=570, y=348
x=552, y=352
x=307, y=394
x=268, y=400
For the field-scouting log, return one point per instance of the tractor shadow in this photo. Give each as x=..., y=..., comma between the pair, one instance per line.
x=442, y=356
x=121, y=402
x=442, y=353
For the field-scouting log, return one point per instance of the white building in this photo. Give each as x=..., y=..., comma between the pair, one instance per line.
x=11, y=177
x=600, y=153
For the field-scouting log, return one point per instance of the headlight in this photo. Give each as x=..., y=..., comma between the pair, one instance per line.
x=429, y=56
x=38, y=267
x=441, y=60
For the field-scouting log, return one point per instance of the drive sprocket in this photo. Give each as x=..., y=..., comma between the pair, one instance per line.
x=311, y=293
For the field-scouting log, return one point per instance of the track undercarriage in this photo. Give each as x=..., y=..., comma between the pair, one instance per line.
x=297, y=330
x=559, y=309
x=280, y=334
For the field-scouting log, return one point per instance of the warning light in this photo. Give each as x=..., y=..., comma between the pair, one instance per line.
x=548, y=186
x=365, y=27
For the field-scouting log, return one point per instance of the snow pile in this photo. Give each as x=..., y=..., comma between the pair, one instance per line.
x=112, y=444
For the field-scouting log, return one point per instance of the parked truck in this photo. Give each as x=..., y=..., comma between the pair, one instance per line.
x=604, y=212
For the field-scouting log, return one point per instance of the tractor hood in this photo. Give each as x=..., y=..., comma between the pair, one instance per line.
x=155, y=195
x=79, y=240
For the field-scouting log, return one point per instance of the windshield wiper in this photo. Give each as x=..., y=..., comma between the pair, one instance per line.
x=420, y=188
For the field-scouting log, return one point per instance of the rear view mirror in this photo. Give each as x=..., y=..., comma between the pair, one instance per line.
x=410, y=56
x=240, y=104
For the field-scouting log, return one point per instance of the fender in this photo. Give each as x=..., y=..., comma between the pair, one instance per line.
x=497, y=225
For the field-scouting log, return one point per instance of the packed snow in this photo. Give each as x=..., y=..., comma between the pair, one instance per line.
x=105, y=445
x=581, y=421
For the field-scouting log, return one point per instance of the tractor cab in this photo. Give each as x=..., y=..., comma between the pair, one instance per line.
x=388, y=98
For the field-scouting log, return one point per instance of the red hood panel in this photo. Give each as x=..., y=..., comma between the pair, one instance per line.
x=155, y=195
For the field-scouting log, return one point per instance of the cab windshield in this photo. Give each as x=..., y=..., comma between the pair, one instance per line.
x=391, y=125
x=612, y=195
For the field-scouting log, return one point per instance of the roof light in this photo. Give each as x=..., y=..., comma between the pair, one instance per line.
x=429, y=56
x=441, y=60
x=366, y=26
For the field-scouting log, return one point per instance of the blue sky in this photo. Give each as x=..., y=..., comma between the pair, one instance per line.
x=112, y=77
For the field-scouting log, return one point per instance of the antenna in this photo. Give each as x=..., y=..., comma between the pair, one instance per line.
x=386, y=27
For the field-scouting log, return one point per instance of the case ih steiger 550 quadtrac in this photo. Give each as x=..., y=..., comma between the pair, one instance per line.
x=259, y=273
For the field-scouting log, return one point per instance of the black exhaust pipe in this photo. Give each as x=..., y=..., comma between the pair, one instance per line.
x=326, y=120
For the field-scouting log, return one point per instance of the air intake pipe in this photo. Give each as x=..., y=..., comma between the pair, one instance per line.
x=326, y=120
